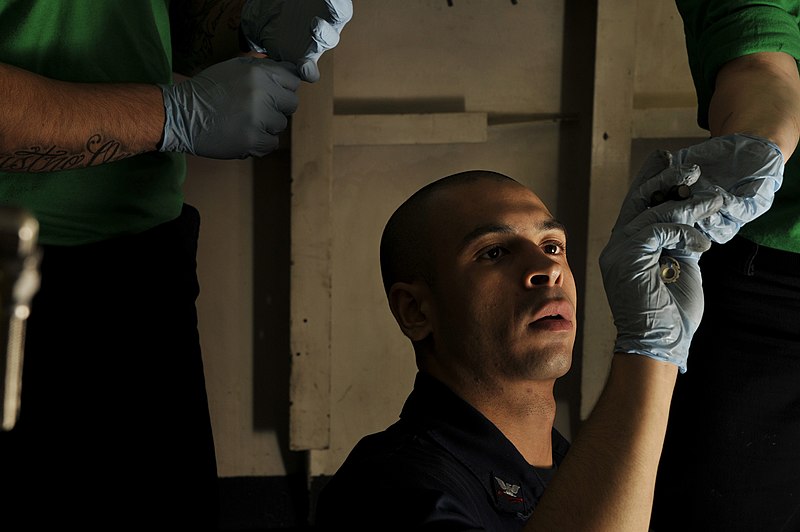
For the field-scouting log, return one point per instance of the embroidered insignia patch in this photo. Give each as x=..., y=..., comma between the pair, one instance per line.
x=507, y=490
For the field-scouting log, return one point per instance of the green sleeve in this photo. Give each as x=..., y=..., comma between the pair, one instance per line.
x=718, y=31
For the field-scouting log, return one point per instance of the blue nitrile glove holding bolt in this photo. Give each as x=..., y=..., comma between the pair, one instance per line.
x=230, y=110
x=298, y=31
x=657, y=316
x=748, y=170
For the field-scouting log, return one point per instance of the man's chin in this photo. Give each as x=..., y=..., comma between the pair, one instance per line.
x=552, y=364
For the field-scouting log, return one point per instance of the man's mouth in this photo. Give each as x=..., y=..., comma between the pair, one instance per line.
x=556, y=314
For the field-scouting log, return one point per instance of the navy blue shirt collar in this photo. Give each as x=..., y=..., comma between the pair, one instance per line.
x=514, y=485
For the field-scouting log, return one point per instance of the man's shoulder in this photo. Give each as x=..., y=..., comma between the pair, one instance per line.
x=398, y=464
x=404, y=450
x=400, y=458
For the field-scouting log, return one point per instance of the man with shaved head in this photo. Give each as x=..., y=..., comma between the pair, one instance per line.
x=475, y=270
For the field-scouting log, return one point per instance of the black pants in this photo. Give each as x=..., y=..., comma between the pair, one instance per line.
x=114, y=430
x=731, y=459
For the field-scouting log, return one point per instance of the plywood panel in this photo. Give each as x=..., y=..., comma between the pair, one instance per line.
x=661, y=70
x=423, y=57
x=484, y=55
x=429, y=128
x=372, y=364
x=666, y=122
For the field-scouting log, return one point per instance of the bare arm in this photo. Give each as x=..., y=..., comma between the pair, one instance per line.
x=50, y=125
x=758, y=94
x=607, y=479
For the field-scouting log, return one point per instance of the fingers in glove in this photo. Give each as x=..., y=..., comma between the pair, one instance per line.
x=341, y=11
x=268, y=144
x=284, y=73
x=643, y=192
x=274, y=122
x=682, y=242
x=324, y=36
x=659, y=188
x=309, y=71
x=736, y=162
x=749, y=200
x=728, y=159
x=683, y=239
x=748, y=203
x=719, y=228
x=279, y=85
x=700, y=206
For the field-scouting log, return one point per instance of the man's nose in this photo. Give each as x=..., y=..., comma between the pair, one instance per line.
x=543, y=270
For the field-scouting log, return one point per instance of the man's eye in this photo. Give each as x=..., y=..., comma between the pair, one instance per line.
x=494, y=253
x=554, y=248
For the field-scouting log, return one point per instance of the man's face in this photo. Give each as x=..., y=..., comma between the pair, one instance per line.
x=503, y=296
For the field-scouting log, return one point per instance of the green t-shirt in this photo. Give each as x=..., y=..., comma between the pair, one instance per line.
x=95, y=41
x=718, y=31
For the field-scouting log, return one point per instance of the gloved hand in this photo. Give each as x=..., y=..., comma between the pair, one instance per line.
x=655, y=318
x=230, y=110
x=748, y=169
x=295, y=30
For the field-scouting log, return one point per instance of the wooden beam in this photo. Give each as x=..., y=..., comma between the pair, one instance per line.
x=310, y=287
x=609, y=176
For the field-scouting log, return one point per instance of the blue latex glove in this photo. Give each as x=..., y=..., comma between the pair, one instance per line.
x=659, y=173
x=230, y=110
x=652, y=317
x=747, y=169
x=298, y=31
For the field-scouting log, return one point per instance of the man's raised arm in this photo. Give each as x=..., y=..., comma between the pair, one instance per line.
x=652, y=280
x=758, y=94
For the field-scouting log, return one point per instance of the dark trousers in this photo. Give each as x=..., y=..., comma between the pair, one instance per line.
x=731, y=459
x=114, y=430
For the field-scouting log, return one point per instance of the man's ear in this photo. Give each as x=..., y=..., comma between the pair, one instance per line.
x=411, y=307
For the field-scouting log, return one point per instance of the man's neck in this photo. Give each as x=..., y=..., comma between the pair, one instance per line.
x=525, y=415
x=524, y=411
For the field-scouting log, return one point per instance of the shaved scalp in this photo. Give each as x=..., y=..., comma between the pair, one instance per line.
x=406, y=254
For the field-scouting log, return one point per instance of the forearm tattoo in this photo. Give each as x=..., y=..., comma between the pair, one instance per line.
x=52, y=158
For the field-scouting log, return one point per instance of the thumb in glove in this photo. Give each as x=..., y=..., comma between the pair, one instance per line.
x=299, y=31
